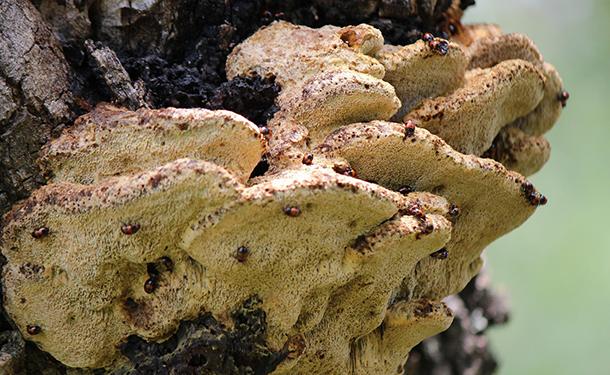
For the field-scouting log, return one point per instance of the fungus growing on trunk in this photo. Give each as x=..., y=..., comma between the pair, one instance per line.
x=151, y=218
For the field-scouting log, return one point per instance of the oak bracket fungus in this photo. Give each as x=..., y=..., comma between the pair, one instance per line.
x=348, y=243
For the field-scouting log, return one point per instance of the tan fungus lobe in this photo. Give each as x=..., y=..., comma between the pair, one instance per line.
x=518, y=151
x=471, y=116
x=341, y=263
x=473, y=33
x=328, y=78
x=101, y=144
x=483, y=189
x=418, y=73
x=293, y=54
x=488, y=52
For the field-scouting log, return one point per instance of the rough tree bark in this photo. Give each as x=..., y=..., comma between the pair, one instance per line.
x=172, y=53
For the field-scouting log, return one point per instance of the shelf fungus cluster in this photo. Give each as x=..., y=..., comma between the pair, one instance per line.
x=382, y=193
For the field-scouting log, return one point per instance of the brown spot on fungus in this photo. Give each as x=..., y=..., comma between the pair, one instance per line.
x=82, y=215
x=417, y=75
x=490, y=50
x=467, y=180
x=519, y=151
x=395, y=337
x=114, y=141
x=441, y=254
x=295, y=346
x=278, y=50
x=409, y=128
x=292, y=211
x=40, y=232
x=470, y=117
x=308, y=158
x=130, y=228
x=241, y=254
x=454, y=211
x=149, y=285
x=33, y=330
x=337, y=83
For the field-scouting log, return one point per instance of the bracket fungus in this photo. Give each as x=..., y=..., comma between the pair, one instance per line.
x=350, y=240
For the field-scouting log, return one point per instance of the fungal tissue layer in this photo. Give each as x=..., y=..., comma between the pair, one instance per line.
x=381, y=194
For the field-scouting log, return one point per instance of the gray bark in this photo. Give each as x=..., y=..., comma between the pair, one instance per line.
x=35, y=97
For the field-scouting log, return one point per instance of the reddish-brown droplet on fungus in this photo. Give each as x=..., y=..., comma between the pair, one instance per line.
x=149, y=286
x=242, y=254
x=40, y=232
x=33, y=330
x=454, y=211
x=308, y=158
x=441, y=254
x=292, y=211
x=409, y=128
x=130, y=228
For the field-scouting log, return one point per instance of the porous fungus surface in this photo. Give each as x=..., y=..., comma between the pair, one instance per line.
x=484, y=191
x=434, y=72
x=345, y=246
x=470, y=117
x=113, y=141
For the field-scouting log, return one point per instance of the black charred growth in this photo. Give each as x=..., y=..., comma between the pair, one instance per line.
x=188, y=69
x=206, y=346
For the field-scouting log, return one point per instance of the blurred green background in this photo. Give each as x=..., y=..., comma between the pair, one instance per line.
x=556, y=267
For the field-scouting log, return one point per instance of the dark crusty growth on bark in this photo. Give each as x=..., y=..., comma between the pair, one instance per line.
x=251, y=97
x=206, y=346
